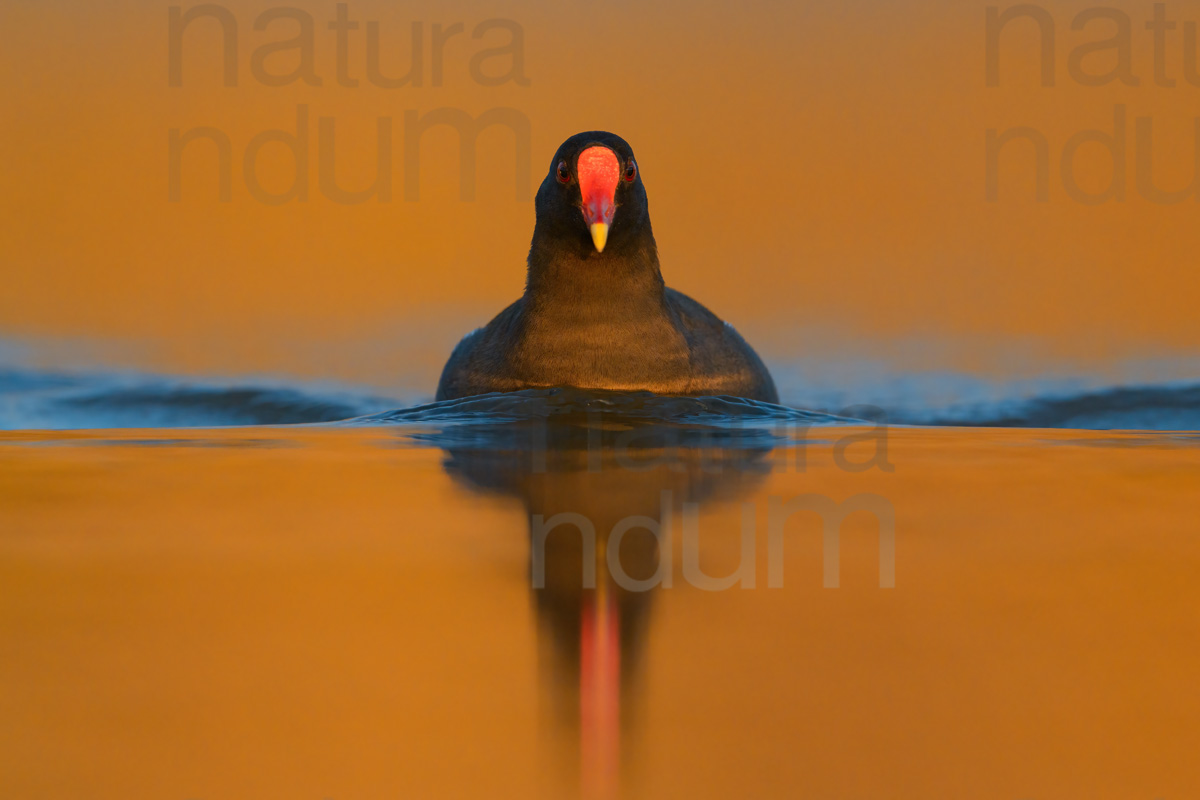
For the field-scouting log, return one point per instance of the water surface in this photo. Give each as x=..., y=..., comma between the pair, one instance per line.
x=349, y=610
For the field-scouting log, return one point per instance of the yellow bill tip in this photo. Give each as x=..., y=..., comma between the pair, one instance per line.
x=599, y=235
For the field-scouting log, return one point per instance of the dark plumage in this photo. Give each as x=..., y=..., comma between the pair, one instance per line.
x=595, y=313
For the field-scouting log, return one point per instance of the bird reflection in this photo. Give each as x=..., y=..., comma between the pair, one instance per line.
x=623, y=479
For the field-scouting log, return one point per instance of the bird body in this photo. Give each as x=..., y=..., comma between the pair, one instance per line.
x=595, y=313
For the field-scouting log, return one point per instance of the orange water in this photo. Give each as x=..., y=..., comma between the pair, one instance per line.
x=321, y=613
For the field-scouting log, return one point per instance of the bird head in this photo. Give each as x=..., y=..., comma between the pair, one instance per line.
x=593, y=193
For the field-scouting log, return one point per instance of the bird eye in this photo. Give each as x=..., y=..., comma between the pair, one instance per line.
x=631, y=171
x=564, y=175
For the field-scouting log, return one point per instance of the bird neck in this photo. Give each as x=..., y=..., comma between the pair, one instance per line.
x=625, y=278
